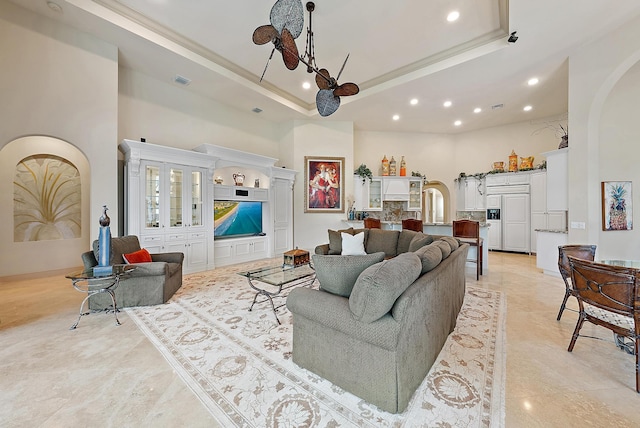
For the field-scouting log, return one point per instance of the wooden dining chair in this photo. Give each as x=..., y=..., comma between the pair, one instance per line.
x=372, y=223
x=468, y=231
x=412, y=224
x=585, y=252
x=608, y=296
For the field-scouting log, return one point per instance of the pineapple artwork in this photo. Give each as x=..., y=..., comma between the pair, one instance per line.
x=616, y=205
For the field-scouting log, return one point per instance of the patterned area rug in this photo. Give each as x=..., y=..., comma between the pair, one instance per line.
x=239, y=362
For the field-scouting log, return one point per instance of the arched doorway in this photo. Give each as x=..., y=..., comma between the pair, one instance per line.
x=435, y=202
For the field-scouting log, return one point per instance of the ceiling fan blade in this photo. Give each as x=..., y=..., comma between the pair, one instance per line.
x=288, y=14
x=346, y=89
x=342, y=68
x=267, y=65
x=326, y=102
x=289, y=50
x=323, y=79
x=264, y=34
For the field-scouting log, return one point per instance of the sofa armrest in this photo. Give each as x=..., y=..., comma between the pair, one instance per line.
x=332, y=311
x=322, y=249
x=150, y=269
x=176, y=257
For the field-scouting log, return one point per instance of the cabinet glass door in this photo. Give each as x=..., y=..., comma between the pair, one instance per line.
x=375, y=193
x=196, y=198
x=415, y=195
x=152, y=196
x=175, y=197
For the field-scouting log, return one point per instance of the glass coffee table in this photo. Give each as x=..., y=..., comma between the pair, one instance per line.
x=271, y=281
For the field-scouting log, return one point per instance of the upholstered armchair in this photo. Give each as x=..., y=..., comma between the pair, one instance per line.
x=151, y=283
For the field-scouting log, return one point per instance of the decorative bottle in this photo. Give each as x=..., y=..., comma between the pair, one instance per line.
x=392, y=166
x=513, y=161
x=403, y=167
x=385, y=166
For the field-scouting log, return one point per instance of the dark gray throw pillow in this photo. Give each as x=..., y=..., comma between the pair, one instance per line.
x=420, y=241
x=335, y=240
x=338, y=274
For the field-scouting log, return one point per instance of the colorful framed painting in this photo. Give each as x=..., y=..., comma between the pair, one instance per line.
x=324, y=178
x=617, y=205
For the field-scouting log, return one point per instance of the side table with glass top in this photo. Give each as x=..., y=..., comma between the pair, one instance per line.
x=271, y=281
x=87, y=282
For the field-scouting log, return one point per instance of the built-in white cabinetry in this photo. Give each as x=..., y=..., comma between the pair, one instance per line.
x=239, y=193
x=557, y=180
x=165, y=201
x=471, y=194
x=395, y=188
x=507, y=179
x=367, y=194
x=541, y=216
x=238, y=250
x=415, y=194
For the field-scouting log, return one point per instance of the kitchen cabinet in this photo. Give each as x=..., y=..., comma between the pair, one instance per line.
x=470, y=194
x=541, y=216
x=507, y=179
x=557, y=180
x=367, y=195
x=415, y=195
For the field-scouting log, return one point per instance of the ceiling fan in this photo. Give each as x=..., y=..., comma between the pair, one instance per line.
x=287, y=19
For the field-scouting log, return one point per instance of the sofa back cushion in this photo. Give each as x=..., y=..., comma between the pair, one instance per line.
x=338, y=274
x=453, y=242
x=419, y=241
x=335, y=240
x=430, y=257
x=405, y=238
x=119, y=246
x=383, y=240
x=378, y=286
x=444, y=247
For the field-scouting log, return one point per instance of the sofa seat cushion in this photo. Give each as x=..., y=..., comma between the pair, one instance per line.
x=338, y=274
x=419, y=241
x=430, y=257
x=383, y=240
x=378, y=286
x=335, y=240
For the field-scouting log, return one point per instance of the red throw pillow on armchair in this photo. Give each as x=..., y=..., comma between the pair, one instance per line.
x=140, y=256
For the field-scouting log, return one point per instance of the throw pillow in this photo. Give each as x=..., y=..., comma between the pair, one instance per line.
x=353, y=245
x=420, y=241
x=444, y=247
x=378, y=286
x=140, y=256
x=405, y=238
x=430, y=257
x=453, y=242
x=335, y=240
x=337, y=274
x=383, y=240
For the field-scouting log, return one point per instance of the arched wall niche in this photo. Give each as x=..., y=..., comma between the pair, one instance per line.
x=428, y=215
x=32, y=256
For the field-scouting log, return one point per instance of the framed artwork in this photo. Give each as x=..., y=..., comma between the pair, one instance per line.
x=324, y=191
x=617, y=205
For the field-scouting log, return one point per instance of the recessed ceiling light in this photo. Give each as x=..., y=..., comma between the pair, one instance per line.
x=306, y=85
x=396, y=117
x=533, y=81
x=447, y=103
x=413, y=101
x=527, y=108
x=453, y=16
x=477, y=110
x=457, y=123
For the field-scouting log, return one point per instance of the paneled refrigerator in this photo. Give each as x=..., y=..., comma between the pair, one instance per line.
x=508, y=214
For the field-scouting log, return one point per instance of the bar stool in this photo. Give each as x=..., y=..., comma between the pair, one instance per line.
x=412, y=224
x=468, y=231
x=372, y=223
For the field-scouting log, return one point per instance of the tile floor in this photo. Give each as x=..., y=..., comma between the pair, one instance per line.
x=103, y=375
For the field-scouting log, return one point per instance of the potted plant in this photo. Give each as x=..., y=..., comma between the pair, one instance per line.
x=364, y=172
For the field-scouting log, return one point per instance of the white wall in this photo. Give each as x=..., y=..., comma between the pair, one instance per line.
x=319, y=138
x=55, y=81
x=167, y=114
x=602, y=119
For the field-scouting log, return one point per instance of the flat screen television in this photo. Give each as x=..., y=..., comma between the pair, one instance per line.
x=236, y=218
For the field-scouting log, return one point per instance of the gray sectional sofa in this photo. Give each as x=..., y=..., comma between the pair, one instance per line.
x=377, y=324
